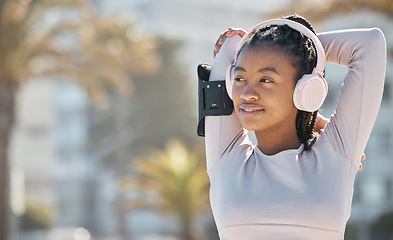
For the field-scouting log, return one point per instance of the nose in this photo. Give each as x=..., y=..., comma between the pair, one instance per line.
x=249, y=93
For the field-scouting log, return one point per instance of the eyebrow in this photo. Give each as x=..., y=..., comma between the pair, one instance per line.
x=262, y=70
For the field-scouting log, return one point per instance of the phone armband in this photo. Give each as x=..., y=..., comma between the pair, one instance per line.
x=213, y=99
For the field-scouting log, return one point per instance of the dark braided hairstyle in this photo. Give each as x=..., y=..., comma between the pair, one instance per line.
x=304, y=58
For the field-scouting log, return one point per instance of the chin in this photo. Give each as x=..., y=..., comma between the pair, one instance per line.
x=251, y=127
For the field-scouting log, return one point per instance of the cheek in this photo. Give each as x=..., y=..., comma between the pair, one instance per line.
x=236, y=92
x=288, y=98
x=284, y=97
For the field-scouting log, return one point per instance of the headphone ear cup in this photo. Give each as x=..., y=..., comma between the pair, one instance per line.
x=229, y=80
x=310, y=92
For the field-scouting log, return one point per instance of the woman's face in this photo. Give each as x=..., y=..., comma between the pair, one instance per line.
x=264, y=81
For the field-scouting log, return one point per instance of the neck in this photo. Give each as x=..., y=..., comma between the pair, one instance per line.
x=273, y=142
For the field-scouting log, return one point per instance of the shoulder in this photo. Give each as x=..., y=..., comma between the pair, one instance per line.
x=239, y=149
x=331, y=141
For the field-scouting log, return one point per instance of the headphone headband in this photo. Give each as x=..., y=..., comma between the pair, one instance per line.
x=298, y=27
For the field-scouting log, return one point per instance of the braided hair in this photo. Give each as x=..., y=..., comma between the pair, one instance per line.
x=304, y=58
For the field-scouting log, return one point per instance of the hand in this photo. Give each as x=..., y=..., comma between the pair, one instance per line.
x=321, y=123
x=230, y=32
x=363, y=158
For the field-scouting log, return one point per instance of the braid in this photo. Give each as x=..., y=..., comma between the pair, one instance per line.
x=304, y=58
x=305, y=123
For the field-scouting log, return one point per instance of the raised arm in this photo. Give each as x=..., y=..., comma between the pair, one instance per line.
x=221, y=130
x=363, y=51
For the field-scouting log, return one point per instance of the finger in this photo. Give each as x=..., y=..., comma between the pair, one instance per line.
x=230, y=32
x=218, y=40
x=215, y=52
x=360, y=167
x=236, y=31
x=363, y=157
x=219, y=43
x=216, y=49
x=222, y=37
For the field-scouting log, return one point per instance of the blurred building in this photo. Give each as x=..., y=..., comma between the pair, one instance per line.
x=197, y=23
x=33, y=148
x=51, y=168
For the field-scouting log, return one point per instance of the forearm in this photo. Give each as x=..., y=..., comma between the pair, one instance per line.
x=221, y=130
x=344, y=47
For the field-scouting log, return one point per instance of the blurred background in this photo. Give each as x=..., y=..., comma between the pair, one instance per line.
x=98, y=115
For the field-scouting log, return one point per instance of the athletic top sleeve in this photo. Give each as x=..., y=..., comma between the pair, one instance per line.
x=363, y=51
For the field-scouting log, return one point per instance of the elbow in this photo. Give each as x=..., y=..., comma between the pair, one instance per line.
x=375, y=47
x=376, y=39
x=377, y=43
x=377, y=35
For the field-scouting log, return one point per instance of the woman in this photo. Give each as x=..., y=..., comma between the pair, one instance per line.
x=294, y=183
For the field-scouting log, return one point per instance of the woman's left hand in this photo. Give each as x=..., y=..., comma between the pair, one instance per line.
x=363, y=158
x=230, y=32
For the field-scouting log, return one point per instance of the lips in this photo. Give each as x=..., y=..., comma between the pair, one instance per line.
x=250, y=109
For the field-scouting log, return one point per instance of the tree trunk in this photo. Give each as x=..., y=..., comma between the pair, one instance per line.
x=122, y=211
x=7, y=100
x=186, y=232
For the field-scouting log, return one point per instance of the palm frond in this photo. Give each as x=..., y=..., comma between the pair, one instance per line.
x=88, y=58
x=177, y=178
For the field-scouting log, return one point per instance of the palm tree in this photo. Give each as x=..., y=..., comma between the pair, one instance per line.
x=103, y=54
x=173, y=181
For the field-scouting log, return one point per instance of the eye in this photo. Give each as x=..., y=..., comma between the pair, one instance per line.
x=239, y=79
x=265, y=80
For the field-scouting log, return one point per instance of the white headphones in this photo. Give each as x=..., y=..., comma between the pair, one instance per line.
x=311, y=89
